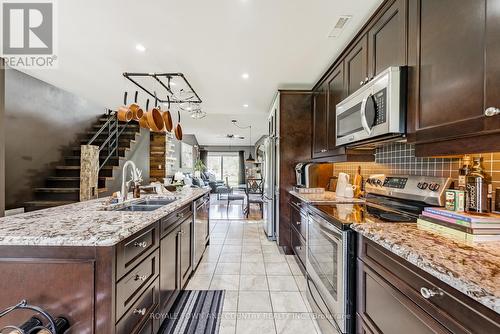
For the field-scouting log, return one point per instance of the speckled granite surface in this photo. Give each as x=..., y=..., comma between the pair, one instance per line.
x=324, y=198
x=85, y=223
x=473, y=269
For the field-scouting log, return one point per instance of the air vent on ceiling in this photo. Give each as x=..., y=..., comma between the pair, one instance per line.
x=339, y=26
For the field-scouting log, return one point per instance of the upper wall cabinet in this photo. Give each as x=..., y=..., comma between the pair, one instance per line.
x=457, y=75
x=356, y=65
x=387, y=38
x=325, y=98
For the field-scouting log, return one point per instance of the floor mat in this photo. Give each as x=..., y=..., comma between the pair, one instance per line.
x=195, y=312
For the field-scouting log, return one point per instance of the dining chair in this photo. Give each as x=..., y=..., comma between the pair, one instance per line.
x=255, y=194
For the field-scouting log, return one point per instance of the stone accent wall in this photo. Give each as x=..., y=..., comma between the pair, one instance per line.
x=89, y=172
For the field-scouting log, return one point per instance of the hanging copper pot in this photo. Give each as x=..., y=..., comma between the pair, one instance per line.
x=155, y=118
x=143, y=121
x=136, y=109
x=178, y=132
x=167, y=118
x=124, y=114
x=178, y=128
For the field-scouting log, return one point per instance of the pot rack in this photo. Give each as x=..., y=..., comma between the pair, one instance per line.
x=164, y=79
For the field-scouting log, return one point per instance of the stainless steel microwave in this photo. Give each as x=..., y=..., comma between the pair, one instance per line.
x=374, y=112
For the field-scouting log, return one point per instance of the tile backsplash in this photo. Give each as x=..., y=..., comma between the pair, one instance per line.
x=399, y=158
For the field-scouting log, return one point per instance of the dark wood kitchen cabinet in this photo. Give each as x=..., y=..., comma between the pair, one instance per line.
x=356, y=65
x=185, y=249
x=387, y=38
x=176, y=251
x=325, y=98
x=457, y=76
x=389, y=298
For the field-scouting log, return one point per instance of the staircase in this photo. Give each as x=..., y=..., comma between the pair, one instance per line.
x=63, y=187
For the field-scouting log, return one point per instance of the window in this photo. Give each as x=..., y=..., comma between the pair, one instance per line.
x=225, y=165
x=186, y=156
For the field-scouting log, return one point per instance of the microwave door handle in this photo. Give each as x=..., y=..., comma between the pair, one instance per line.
x=364, y=122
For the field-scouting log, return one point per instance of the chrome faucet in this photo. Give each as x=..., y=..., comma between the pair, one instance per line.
x=125, y=185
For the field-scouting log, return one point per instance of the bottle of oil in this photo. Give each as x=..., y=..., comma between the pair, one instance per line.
x=463, y=172
x=477, y=185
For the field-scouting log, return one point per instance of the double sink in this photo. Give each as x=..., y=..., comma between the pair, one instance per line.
x=150, y=204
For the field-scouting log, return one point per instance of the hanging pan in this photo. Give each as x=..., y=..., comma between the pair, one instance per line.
x=178, y=128
x=155, y=119
x=136, y=109
x=143, y=121
x=124, y=114
x=167, y=118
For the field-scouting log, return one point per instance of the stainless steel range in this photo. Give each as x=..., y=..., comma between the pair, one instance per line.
x=331, y=247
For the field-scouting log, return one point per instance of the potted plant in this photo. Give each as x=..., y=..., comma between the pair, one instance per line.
x=199, y=167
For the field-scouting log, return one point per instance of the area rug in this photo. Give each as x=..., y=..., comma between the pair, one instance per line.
x=195, y=312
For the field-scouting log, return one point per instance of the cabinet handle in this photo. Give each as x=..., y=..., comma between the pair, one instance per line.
x=298, y=223
x=492, y=111
x=140, y=277
x=143, y=244
x=141, y=311
x=323, y=150
x=429, y=293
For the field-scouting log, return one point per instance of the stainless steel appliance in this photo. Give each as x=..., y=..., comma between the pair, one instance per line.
x=271, y=173
x=374, y=112
x=307, y=175
x=201, y=228
x=331, y=252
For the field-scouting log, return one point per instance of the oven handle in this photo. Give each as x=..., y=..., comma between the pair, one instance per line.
x=364, y=122
x=333, y=322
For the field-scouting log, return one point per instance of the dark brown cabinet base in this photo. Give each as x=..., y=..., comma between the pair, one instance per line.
x=389, y=299
x=110, y=290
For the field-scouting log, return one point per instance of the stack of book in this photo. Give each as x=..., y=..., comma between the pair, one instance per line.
x=466, y=227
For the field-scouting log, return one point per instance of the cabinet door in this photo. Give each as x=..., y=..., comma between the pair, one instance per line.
x=451, y=69
x=169, y=274
x=356, y=65
x=387, y=39
x=185, y=249
x=492, y=62
x=320, y=121
x=336, y=93
x=386, y=310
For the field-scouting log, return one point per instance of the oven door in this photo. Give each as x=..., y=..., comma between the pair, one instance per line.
x=326, y=269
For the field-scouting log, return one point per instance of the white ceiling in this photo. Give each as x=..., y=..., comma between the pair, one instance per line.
x=279, y=43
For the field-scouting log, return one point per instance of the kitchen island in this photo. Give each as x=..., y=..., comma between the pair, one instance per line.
x=106, y=271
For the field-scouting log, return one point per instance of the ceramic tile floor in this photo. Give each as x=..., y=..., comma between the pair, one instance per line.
x=265, y=289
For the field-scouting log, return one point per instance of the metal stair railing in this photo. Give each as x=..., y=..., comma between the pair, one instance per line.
x=112, y=128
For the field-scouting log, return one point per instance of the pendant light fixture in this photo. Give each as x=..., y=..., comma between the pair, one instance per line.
x=250, y=157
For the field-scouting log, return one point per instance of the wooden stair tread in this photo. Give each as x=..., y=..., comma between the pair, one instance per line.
x=62, y=190
x=75, y=178
x=78, y=167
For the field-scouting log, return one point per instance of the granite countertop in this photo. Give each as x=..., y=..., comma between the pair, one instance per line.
x=473, y=269
x=89, y=223
x=324, y=198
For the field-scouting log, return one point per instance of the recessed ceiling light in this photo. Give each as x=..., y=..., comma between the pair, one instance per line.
x=172, y=83
x=140, y=48
x=245, y=76
x=245, y=106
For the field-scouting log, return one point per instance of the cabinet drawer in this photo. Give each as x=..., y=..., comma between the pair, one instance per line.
x=385, y=310
x=453, y=309
x=135, y=282
x=170, y=222
x=299, y=247
x=151, y=326
x=140, y=311
x=133, y=250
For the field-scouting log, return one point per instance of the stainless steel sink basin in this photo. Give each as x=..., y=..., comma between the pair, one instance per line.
x=139, y=208
x=149, y=204
x=156, y=201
